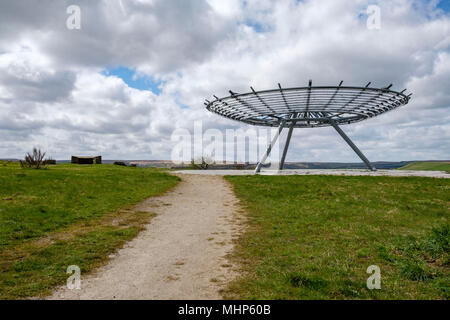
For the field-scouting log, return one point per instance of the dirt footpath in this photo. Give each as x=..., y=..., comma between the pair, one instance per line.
x=180, y=255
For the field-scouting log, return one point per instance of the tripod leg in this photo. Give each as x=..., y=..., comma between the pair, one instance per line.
x=286, y=146
x=353, y=146
x=269, y=148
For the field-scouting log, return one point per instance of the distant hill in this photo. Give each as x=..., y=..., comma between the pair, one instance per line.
x=308, y=165
x=437, y=165
x=344, y=165
x=428, y=165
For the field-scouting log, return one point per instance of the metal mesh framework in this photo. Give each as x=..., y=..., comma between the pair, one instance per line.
x=308, y=107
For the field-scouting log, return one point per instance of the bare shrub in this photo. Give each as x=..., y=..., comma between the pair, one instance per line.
x=34, y=160
x=203, y=164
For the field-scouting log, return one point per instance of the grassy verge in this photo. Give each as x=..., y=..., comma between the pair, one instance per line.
x=428, y=166
x=313, y=237
x=65, y=215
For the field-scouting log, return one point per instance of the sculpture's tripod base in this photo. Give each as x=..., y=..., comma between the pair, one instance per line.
x=288, y=140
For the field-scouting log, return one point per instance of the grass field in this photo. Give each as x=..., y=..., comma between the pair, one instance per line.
x=313, y=237
x=433, y=166
x=67, y=215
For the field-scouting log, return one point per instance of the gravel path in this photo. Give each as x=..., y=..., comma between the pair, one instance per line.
x=180, y=255
x=336, y=172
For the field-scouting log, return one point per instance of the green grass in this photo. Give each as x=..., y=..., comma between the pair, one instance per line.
x=67, y=214
x=432, y=166
x=313, y=237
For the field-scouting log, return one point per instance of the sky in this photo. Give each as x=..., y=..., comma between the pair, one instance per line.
x=136, y=71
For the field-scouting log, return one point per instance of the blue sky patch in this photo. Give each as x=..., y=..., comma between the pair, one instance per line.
x=444, y=5
x=133, y=80
x=255, y=25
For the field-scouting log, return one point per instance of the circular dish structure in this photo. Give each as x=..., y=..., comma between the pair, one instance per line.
x=308, y=107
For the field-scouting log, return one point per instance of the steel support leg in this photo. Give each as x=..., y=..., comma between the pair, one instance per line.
x=353, y=146
x=286, y=146
x=269, y=148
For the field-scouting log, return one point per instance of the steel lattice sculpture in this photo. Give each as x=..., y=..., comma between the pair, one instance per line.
x=308, y=107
